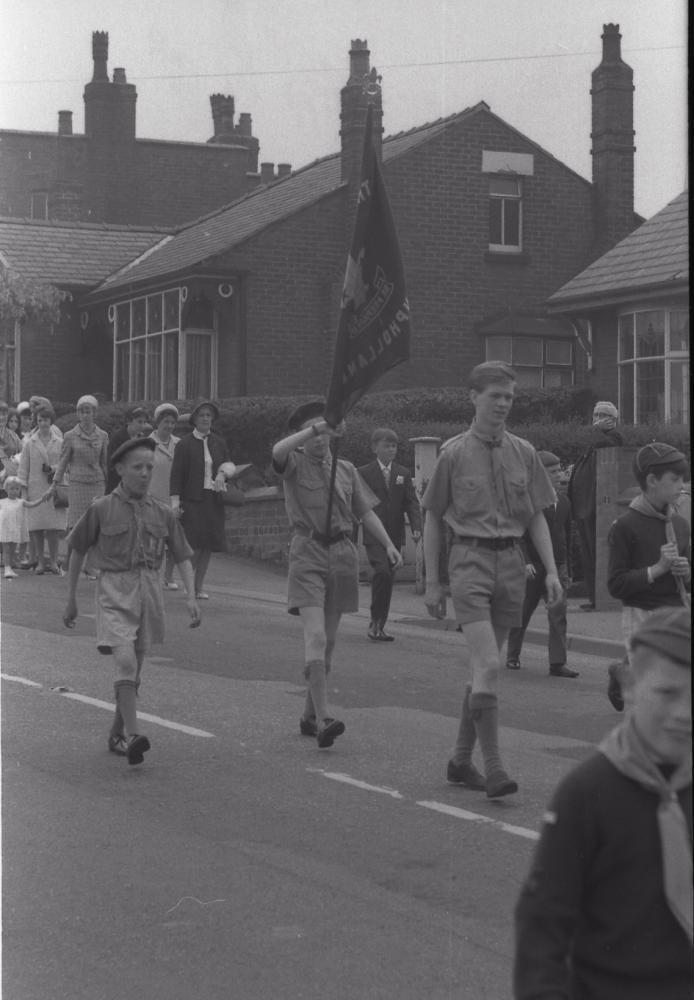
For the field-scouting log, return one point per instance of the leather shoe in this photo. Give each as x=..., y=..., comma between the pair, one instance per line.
x=327, y=735
x=562, y=671
x=498, y=784
x=373, y=630
x=466, y=775
x=513, y=664
x=384, y=636
x=614, y=685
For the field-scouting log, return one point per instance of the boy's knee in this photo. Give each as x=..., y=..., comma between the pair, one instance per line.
x=125, y=662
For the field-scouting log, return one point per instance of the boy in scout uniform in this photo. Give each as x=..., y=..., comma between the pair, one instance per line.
x=129, y=532
x=323, y=579
x=488, y=487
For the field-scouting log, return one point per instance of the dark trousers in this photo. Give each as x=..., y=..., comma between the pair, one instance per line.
x=586, y=537
x=556, y=618
x=381, y=582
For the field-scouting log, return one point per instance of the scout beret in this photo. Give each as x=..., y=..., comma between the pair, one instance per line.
x=654, y=454
x=165, y=410
x=130, y=445
x=199, y=406
x=307, y=411
x=548, y=458
x=668, y=631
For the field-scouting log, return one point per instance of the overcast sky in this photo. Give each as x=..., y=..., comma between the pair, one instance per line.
x=286, y=60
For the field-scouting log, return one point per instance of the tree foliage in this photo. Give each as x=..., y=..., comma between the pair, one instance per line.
x=24, y=298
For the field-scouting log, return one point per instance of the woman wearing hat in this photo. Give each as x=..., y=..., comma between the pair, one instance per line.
x=25, y=414
x=165, y=420
x=136, y=426
x=37, y=464
x=83, y=458
x=199, y=472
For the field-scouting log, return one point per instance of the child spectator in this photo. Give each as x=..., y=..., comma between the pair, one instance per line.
x=648, y=564
x=323, y=567
x=13, y=523
x=558, y=517
x=392, y=484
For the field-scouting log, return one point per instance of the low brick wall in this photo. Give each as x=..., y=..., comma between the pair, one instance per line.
x=260, y=530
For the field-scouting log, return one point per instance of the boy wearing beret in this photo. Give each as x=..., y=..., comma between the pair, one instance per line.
x=323, y=579
x=128, y=532
x=649, y=546
x=606, y=910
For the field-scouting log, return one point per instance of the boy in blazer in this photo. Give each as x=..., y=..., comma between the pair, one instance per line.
x=392, y=484
x=558, y=518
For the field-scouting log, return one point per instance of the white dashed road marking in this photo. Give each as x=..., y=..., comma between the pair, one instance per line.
x=347, y=780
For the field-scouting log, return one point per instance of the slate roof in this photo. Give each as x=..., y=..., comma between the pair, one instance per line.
x=75, y=254
x=655, y=256
x=231, y=225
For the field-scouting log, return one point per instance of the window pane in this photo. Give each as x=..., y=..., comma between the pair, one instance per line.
x=10, y=364
x=122, y=371
x=558, y=352
x=679, y=330
x=498, y=349
x=198, y=365
x=650, y=338
x=650, y=392
x=138, y=369
x=495, y=220
x=529, y=377
x=139, y=307
x=555, y=378
x=123, y=321
x=626, y=337
x=527, y=351
x=154, y=313
x=679, y=392
x=508, y=186
x=626, y=394
x=511, y=223
x=171, y=310
x=153, y=368
x=171, y=366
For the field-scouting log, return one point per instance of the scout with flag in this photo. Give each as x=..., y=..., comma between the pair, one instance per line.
x=324, y=495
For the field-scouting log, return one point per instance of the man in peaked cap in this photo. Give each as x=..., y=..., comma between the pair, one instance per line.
x=606, y=910
x=129, y=532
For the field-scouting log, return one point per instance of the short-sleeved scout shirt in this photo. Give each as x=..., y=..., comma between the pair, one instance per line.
x=127, y=534
x=488, y=488
x=306, y=483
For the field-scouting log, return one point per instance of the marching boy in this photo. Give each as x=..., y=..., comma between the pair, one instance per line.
x=129, y=531
x=392, y=484
x=323, y=579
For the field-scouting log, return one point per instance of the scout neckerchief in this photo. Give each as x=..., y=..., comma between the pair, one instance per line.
x=624, y=748
x=644, y=506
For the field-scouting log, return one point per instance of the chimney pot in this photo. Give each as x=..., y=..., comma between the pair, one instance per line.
x=65, y=123
x=267, y=173
x=611, y=43
x=245, y=124
x=222, y=117
x=284, y=170
x=100, y=55
x=119, y=75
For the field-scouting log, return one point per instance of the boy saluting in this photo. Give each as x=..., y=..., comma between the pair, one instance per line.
x=129, y=532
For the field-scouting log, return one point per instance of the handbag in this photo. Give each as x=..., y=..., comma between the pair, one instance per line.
x=60, y=497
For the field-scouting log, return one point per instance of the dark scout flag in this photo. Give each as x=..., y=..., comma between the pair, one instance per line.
x=373, y=334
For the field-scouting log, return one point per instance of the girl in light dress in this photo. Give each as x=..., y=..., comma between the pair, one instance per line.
x=13, y=522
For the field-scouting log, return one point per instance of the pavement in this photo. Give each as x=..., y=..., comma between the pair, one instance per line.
x=589, y=632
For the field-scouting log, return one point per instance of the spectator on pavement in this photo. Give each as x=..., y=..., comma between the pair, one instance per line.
x=165, y=420
x=136, y=426
x=37, y=465
x=606, y=910
x=581, y=490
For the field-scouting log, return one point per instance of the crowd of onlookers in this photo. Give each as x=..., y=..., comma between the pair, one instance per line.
x=48, y=479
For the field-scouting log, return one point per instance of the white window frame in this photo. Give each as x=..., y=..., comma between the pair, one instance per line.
x=666, y=358
x=507, y=197
x=542, y=368
x=13, y=361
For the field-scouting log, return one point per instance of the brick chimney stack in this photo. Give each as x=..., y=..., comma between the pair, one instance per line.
x=109, y=107
x=354, y=103
x=222, y=118
x=613, y=149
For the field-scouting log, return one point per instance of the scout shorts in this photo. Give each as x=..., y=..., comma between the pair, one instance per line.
x=323, y=577
x=129, y=609
x=487, y=585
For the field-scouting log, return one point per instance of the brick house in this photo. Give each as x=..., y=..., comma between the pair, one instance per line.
x=109, y=175
x=634, y=305
x=244, y=301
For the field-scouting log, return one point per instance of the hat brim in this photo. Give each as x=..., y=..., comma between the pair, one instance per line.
x=205, y=402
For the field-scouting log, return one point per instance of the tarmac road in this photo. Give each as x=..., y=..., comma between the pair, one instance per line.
x=239, y=861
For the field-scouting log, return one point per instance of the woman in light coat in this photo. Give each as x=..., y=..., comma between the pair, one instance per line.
x=37, y=464
x=165, y=420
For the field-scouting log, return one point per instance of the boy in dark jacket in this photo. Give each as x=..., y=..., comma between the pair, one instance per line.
x=392, y=484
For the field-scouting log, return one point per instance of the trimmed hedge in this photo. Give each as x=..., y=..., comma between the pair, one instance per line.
x=554, y=420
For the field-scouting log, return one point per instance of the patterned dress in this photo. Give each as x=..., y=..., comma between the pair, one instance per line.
x=83, y=458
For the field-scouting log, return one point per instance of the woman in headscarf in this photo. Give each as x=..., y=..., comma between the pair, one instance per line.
x=165, y=420
x=83, y=460
x=199, y=472
x=581, y=490
x=37, y=465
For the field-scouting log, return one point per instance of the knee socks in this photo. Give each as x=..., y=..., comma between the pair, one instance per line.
x=126, y=694
x=484, y=709
x=315, y=673
x=467, y=734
